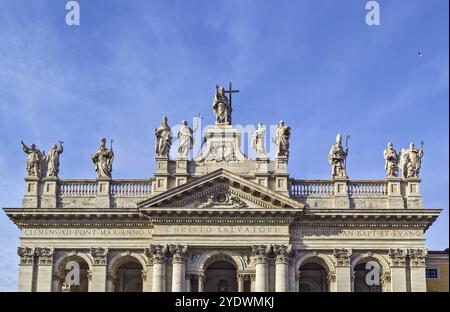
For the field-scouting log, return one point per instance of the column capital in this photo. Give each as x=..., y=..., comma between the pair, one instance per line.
x=260, y=253
x=417, y=257
x=331, y=277
x=99, y=254
x=398, y=257
x=44, y=255
x=178, y=253
x=342, y=256
x=282, y=253
x=157, y=253
x=26, y=255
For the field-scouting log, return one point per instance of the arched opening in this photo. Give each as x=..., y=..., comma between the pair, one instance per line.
x=313, y=278
x=367, y=276
x=129, y=276
x=73, y=275
x=221, y=276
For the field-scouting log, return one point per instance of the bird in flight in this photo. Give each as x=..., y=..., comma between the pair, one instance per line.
x=419, y=53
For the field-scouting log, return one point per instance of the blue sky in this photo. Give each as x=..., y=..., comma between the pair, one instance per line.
x=314, y=64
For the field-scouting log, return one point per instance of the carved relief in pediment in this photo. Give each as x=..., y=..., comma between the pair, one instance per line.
x=222, y=199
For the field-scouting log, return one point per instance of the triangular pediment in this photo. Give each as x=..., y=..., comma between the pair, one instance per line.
x=221, y=189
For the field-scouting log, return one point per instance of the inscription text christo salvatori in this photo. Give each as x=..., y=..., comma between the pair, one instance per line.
x=237, y=229
x=98, y=233
x=226, y=301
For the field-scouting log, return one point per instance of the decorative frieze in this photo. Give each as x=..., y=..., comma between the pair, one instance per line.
x=398, y=257
x=342, y=256
x=26, y=255
x=44, y=255
x=100, y=255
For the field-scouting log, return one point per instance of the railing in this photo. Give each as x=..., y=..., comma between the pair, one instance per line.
x=74, y=188
x=305, y=188
x=131, y=188
x=367, y=188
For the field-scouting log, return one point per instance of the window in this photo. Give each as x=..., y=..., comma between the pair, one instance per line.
x=431, y=273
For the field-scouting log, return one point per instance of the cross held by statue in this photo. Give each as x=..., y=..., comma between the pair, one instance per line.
x=230, y=91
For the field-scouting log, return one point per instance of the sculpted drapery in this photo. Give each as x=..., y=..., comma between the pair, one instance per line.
x=163, y=139
x=103, y=160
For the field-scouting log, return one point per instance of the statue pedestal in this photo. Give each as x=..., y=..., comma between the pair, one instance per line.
x=161, y=181
x=413, y=197
x=262, y=171
x=281, y=175
x=394, y=191
x=49, y=196
x=103, y=199
x=33, y=193
x=181, y=171
x=341, y=198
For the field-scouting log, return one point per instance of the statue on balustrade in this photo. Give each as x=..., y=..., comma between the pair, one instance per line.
x=337, y=159
x=103, y=160
x=258, y=141
x=412, y=161
x=36, y=161
x=53, y=160
x=392, y=159
x=222, y=107
x=282, y=140
x=185, y=140
x=163, y=139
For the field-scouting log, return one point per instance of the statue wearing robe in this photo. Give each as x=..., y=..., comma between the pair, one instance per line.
x=163, y=139
x=53, y=160
x=282, y=140
x=391, y=161
x=103, y=160
x=185, y=140
x=222, y=107
x=336, y=158
x=414, y=161
x=258, y=141
x=35, y=162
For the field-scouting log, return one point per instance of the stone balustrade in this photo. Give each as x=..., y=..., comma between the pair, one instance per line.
x=377, y=194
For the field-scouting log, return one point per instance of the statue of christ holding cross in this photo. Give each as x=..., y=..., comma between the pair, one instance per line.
x=222, y=106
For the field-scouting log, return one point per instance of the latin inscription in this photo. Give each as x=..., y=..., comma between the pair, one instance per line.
x=345, y=233
x=95, y=233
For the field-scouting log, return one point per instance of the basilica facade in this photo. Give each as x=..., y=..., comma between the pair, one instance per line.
x=221, y=221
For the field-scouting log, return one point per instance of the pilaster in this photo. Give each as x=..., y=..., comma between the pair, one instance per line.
x=26, y=268
x=398, y=269
x=341, y=198
x=99, y=269
x=417, y=266
x=343, y=270
x=44, y=258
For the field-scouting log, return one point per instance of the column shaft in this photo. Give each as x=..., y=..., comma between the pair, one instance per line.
x=178, y=276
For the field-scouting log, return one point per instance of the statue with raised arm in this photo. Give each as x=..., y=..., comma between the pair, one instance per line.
x=258, y=141
x=222, y=107
x=35, y=161
x=392, y=159
x=337, y=157
x=414, y=161
x=163, y=139
x=103, y=160
x=185, y=140
x=282, y=140
x=53, y=160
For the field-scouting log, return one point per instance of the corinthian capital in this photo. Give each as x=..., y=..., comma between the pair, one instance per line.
x=157, y=253
x=178, y=252
x=45, y=256
x=342, y=256
x=99, y=254
x=417, y=257
x=260, y=253
x=398, y=257
x=26, y=255
x=282, y=253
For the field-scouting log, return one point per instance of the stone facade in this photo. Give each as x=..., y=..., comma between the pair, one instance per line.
x=222, y=222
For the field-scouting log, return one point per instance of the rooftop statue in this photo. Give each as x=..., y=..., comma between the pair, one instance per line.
x=185, y=140
x=53, y=160
x=337, y=157
x=282, y=140
x=163, y=139
x=412, y=161
x=258, y=141
x=392, y=159
x=36, y=161
x=103, y=160
x=222, y=107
